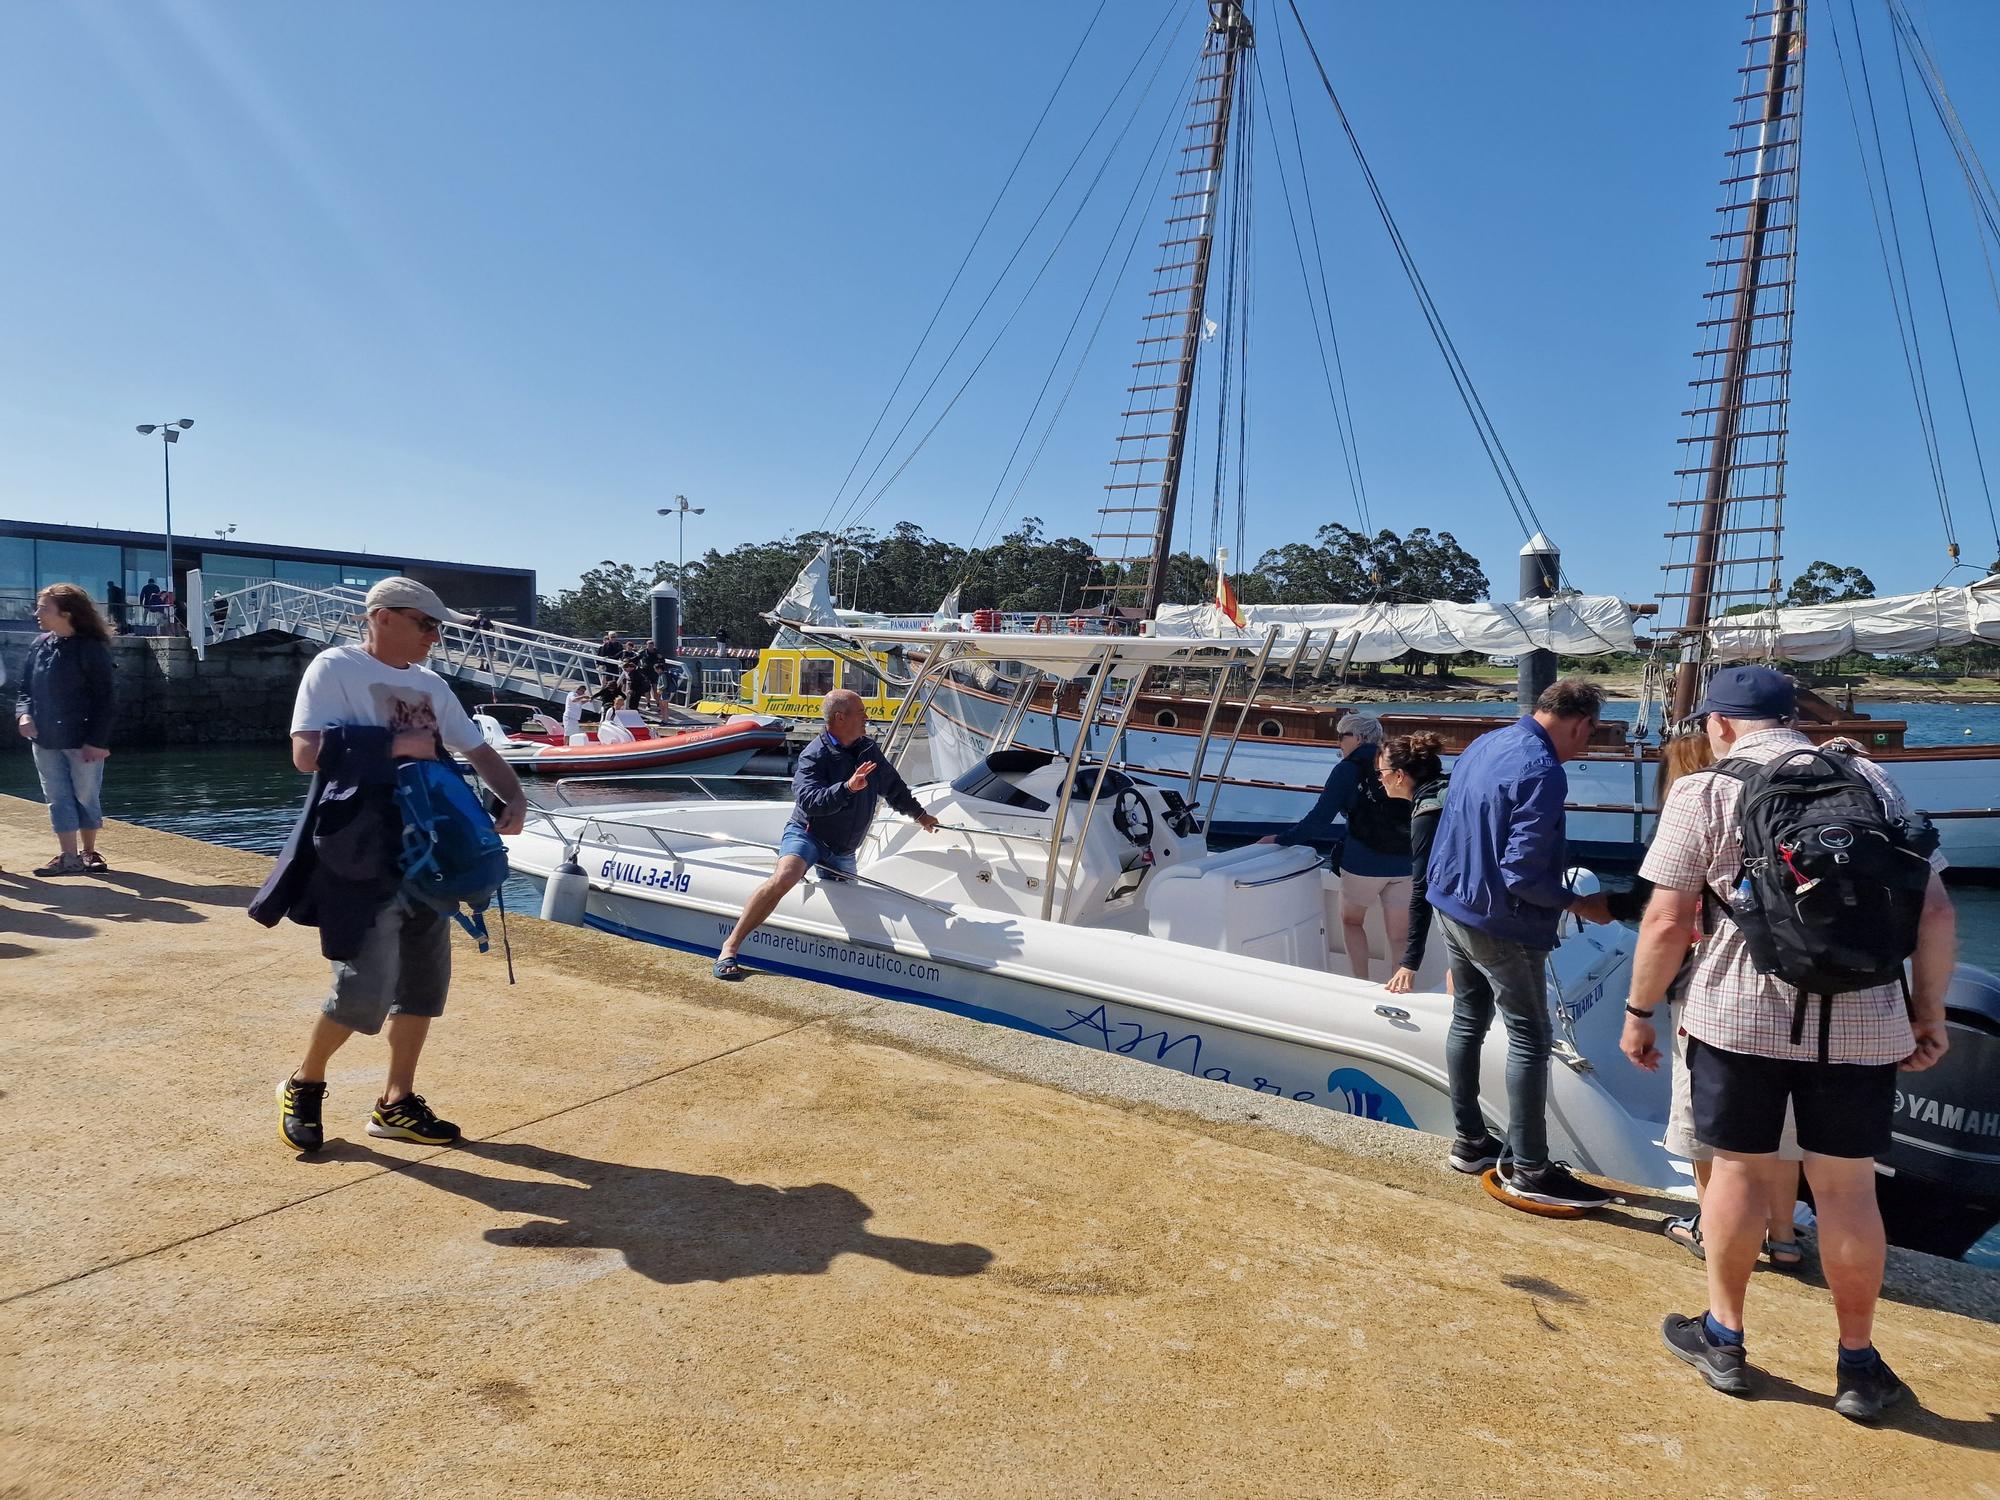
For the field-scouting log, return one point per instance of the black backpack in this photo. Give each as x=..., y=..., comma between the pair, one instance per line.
x=1831, y=887
x=1377, y=819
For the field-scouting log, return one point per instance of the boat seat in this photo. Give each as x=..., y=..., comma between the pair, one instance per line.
x=1262, y=901
x=611, y=732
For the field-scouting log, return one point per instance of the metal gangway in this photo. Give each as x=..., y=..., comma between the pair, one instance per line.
x=511, y=659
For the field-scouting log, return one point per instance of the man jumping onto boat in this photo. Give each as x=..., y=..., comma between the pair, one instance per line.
x=840, y=777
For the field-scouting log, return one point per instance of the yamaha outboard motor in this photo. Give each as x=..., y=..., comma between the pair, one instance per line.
x=1942, y=1173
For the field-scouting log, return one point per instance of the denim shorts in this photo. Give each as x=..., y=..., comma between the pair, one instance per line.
x=798, y=841
x=403, y=969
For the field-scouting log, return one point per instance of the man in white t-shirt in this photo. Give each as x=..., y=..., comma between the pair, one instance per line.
x=403, y=969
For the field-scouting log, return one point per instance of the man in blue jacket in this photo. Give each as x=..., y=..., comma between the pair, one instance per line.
x=1497, y=885
x=839, y=778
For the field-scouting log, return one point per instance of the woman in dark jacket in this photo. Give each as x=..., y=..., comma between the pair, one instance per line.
x=1413, y=771
x=65, y=709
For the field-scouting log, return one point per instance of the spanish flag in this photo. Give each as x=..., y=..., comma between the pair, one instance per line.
x=1225, y=599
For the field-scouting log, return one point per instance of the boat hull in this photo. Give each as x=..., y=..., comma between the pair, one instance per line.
x=722, y=750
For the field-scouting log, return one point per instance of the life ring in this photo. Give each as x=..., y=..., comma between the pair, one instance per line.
x=1044, y=625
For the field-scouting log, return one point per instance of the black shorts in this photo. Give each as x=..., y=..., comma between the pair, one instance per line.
x=1842, y=1109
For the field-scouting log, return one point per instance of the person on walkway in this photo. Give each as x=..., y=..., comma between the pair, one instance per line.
x=149, y=603
x=840, y=777
x=579, y=698
x=381, y=703
x=115, y=604
x=482, y=632
x=1750, y=1054
x=1413, y=772
x=218, y=610
x=1497, y=882
x=65, y=708
x=1375, y=858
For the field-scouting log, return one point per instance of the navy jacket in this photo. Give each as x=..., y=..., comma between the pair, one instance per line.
x=66, y=690
x=343, y=861
x=837, y=818
x=1498, y=858
x=1426, y=807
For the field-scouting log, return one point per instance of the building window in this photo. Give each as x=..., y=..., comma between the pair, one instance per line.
x=353, y=575
x=312, y=574
x=17, y=578
x=88, y=565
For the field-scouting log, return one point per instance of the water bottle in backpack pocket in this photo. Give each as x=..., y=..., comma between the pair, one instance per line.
x=452, y=859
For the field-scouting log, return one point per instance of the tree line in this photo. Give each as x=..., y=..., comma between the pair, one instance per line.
x=906, y=571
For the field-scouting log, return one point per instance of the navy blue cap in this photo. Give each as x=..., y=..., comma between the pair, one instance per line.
x=1751, y=693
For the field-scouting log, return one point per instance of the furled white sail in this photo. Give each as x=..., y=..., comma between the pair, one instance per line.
x=1896, y=626
x=1576, y=624
x=809, y=601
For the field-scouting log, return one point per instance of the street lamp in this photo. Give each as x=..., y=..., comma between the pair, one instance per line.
x=170, y=433
x=226, y=532
x=681, y=508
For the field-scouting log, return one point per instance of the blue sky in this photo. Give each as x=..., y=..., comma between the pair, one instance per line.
x=492, y=281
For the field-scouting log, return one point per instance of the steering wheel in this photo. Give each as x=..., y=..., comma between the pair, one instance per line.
x=1131, y=816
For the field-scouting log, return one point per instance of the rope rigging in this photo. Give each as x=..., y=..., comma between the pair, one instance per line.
x=1489, y=437
x=850, y=516
x=1892, y=267
x=972, y=249
x=1336, y=376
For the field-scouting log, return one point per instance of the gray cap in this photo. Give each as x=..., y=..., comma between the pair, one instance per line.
x=407, y=593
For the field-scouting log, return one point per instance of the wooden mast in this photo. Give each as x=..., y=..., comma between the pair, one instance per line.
x=1741, y=410
x=1136, y=519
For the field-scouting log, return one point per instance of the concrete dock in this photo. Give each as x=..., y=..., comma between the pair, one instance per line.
x=775, y=1239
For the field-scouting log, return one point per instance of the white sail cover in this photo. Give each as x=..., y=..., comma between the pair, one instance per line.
x=1575, y=624
x=809, y=601
x=1896, y=626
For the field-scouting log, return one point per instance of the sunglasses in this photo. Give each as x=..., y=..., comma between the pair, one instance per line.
x=424, y=621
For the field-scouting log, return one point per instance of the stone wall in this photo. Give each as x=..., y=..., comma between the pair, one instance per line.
x=242, y=694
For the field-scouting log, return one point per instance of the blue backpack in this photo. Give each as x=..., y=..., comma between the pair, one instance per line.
x=452, y=858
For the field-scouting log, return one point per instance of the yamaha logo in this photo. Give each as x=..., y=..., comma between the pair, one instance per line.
x=1836, y=837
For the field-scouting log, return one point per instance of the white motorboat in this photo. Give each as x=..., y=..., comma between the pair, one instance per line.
x=1063, y=896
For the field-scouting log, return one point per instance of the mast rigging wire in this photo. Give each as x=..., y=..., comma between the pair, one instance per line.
x=970, y=250
x=1905, y=330
x=1489, y=437
x=848, y=517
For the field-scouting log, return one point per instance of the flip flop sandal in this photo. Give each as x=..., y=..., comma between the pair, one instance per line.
x=727, y=968
x=1784, y=1255
x=1686, y=1232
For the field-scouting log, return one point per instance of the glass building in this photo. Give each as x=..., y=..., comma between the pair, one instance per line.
x=114, y=568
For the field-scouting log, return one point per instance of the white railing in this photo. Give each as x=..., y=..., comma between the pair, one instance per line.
x=535, y=663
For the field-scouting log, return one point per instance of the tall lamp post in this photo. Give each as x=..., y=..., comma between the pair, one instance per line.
x=170, y=433
x=681, y=508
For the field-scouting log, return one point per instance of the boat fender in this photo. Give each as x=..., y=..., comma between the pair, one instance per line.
x=564, y=894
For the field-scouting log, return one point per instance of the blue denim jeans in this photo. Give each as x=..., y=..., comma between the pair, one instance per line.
x=1489, y=974
x=70, y=784
x=797, y=841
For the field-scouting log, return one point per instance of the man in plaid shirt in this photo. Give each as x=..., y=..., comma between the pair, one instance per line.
x=1744, y=1064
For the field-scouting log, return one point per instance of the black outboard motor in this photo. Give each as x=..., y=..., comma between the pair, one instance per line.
x=1945, y=1157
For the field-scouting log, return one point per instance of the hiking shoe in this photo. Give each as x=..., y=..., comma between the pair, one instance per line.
x=410, y=1119
x=1474, y=1157
x=1554, y=1184
x=93, y=862
x=62, y=864
x=1863, y=1395
x=1724, y=1366
x=298, y=1114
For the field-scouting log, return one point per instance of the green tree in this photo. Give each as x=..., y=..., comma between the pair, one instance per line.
x=1824, y=583
x=1341, y=566
x=610, y=596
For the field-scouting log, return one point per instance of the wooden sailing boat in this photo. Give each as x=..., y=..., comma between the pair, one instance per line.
x=1733, y=541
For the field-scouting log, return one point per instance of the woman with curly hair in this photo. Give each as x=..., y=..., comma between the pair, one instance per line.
x=64, y=708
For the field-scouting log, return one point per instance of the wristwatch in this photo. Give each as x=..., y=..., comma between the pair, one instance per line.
x=1644, y=1015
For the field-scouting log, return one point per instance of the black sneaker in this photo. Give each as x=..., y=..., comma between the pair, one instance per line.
x=1554, y=1184
x=1863, y=1395
x=298, y=1114
x=410, y=1119
x=1724, y=1366
x=1474, y=1157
